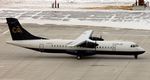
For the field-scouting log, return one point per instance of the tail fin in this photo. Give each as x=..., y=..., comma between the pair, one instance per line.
x=18, y=32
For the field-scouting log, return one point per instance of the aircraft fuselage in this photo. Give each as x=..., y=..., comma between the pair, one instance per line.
x=60, y=46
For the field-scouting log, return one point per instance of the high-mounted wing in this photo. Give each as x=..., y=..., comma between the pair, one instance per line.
x=84, y=41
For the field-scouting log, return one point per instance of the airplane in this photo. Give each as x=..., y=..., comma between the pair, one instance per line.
x=84, y=45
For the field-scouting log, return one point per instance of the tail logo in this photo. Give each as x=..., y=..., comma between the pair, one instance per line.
x=16, y=29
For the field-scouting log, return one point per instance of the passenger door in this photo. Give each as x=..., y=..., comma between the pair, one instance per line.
x=41, y=47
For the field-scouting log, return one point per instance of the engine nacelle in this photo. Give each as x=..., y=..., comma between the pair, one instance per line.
x=97, y=38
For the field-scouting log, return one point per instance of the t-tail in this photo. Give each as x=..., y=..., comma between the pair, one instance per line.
x=18, y=32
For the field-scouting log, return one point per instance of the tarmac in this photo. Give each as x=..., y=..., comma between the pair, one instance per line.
x=22, y=64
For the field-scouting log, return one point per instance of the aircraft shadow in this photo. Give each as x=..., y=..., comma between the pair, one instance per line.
x=103, y=57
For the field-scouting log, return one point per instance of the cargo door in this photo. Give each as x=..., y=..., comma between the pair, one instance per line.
x=114, y=47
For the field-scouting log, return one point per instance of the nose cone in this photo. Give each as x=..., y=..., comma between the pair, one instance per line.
x=141, y=50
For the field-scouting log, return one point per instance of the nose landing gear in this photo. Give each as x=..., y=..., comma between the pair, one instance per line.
x=136, y=56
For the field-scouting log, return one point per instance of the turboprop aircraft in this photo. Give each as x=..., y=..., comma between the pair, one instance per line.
x=84, y=45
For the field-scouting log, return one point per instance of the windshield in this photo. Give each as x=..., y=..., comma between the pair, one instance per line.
x=134, y=45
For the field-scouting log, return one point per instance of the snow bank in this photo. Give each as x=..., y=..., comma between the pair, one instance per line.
x=128, y=25
x=45, y=5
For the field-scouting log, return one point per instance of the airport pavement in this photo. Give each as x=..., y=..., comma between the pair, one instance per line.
x=22, y=64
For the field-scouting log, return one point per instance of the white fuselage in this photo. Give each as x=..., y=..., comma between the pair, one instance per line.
x=60, y=46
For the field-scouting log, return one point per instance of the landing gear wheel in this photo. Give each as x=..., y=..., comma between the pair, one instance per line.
x=78, y=57
x=135, y=56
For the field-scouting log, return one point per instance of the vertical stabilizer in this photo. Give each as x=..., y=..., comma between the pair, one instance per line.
x=18, y=32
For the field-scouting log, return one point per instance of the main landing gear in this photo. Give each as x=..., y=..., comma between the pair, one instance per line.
x=78, y=57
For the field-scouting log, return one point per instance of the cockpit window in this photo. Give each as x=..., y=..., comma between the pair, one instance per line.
x=134, y=45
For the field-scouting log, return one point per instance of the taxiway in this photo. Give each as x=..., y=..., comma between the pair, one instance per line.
x=22, y=64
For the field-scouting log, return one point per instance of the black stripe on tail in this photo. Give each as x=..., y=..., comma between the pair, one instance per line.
x=18, y=32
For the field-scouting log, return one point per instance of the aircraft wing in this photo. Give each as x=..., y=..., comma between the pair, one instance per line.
x=83, y=40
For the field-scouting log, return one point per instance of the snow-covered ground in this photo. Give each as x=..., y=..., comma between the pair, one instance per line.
x=63, y=3
x=71, y=13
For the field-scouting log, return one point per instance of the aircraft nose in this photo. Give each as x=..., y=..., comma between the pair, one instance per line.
x=141, y=50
